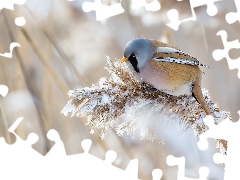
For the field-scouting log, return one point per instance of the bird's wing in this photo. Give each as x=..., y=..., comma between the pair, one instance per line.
x=170, y=54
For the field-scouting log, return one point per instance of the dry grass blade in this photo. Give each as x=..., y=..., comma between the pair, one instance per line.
x=28, y=81
x=5, y=124
x=117, y=102
x=46, y=63
x=55, y=44
x=64, y=57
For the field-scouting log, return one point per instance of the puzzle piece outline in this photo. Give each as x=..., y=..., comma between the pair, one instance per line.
x=103, y=12
x=180, y=162
x=9, y=4
x=219, y=54
x=152, y=6
x=19, y=21
x=11, y=47
x=173, y=14
x=229, y=131
x=56, y=162
x=233, y=17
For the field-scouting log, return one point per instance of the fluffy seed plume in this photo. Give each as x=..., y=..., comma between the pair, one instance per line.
x=124, y=104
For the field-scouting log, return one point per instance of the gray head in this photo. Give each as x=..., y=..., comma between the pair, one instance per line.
x=138, y=52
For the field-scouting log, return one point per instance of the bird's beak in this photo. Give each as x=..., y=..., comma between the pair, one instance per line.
x=124, y=59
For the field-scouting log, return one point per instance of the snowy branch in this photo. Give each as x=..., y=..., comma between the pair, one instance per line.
x=127, y=105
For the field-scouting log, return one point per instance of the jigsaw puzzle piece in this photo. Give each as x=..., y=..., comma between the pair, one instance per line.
x=232, y=17
x=8, y=137
x=219, y=158
x=23, y=147
x=3, y=132
x=110, y=156
x=211, y=7
x=5, y=141
x=19, y=157
x=103, y=12
x=173, y=14
x=157, y=174
x=9, y=4
x=12, y=46
x=103, y=169
x=86, y=145
x=224, y=53
x=229, y=131
x=132, y=169
x=203, y=173
x=177, y=161
x=152, y=6
x=180, y=162
x=216, y=131
x=58, y=149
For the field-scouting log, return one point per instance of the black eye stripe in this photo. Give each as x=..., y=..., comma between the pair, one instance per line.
x=133, y=60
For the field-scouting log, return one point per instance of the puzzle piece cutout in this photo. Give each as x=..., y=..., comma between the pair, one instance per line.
x=232, y=17
x=180, y=162
x=157, y=174
x=12, y=46
x=173, y=14
x=21, y=146
x=3, y=90
x=229, y=131
x=224, y=53
x=25, y=162
x=219, y=158
x=103, y=12
x=19, y=21
x=58, y=149
x=152, y=6
x=14, y=157
x=9, y=4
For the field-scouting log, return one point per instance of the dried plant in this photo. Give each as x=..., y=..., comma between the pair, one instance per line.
x=127, y=105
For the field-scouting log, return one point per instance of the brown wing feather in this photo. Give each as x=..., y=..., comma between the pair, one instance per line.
x=175, y=57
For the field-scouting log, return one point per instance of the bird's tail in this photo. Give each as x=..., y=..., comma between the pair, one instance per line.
x=197, y=94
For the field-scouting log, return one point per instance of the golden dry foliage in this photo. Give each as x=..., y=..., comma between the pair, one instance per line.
x=117, y=102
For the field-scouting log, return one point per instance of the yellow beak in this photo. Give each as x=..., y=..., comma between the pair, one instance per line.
x=124, y=59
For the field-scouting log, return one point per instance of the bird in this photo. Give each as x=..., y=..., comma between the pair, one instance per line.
x=166, y=68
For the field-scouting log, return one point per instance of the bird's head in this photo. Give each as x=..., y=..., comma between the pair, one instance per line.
x=138, y=52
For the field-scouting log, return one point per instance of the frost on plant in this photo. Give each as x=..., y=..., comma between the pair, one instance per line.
x=128, y=106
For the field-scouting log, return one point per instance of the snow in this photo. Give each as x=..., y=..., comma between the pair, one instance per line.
x=70, y=93
x=105, y=99
x=68, y=108
x=102, y=81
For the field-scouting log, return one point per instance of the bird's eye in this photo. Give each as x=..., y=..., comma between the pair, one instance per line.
x=134, y=62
